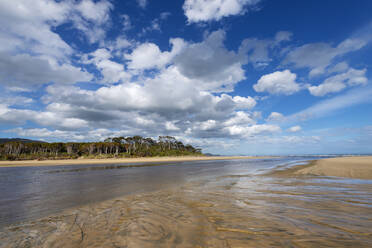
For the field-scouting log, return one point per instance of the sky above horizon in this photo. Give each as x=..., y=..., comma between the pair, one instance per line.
x=230, y=76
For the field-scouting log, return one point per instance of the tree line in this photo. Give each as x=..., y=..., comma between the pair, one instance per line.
x=135, y=146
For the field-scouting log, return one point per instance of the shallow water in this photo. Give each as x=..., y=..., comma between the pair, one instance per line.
x=191, y=204
x=27, y=193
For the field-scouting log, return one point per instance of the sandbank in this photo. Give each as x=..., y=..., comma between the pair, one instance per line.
x=25, y=163
x=357, y=167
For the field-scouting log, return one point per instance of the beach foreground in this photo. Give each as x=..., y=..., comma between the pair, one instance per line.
x=24, y=163
x=234, y=210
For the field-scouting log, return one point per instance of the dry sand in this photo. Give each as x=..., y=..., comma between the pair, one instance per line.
x=25, y=163
x=350, y=167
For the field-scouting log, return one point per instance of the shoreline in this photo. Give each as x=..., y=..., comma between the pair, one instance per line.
x=30, y=163
x=355, y=167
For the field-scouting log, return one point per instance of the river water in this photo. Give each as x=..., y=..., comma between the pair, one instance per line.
x=233, y=202
x=27, y=193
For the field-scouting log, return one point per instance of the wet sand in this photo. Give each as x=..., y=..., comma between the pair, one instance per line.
x=226, y=211
x=25, y=163
x=217, y=216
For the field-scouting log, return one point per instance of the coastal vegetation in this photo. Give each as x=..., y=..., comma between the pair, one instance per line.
x=120, y=147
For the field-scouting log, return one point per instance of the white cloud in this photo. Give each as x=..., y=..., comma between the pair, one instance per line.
x=24, y=22
x=244, y=102
x=208, y=65
x=20, y=116
x=209, y=62
x=115, y=48
x=207, y=125
x=31, y=24
x=339, y=67
x=111, y=71
x=248, y=131
x=33, y=53
x=15, y=101
x=240, y=118
x=339, y=82
x=279, y=82
x=208, y=10
x=94, y=11
x=318, y=56
x=149, y=56
x=25, y=70
x=294, y=129
x=179, y=98
x=173, y=102
x=275, y=117
x=326, y=88
x=170, y=126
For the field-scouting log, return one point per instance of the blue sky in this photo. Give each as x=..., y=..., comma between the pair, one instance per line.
x=230, y=76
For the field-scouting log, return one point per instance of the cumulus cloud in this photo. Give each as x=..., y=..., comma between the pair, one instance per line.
x=244, y=102
x=209, y=10
x=185, y=94
x=92, y=18
x=20, y=116
x=149, y=56
x=25, y=70
x=294, y=129
x=211, y=63
x=240, y=118
x=275, y=117
x=253, y=130
x=32, y=52
x=339, y=82
x=111, y=71
x=32, y=24
x=279, y=82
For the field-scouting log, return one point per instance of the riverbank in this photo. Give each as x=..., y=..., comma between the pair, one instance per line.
x=25, y=163
x=356, y=167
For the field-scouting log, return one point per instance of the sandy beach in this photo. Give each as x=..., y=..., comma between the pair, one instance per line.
x=25, y=163
x=350, y=167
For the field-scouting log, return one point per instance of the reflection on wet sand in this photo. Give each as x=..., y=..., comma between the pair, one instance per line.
x=228, y=211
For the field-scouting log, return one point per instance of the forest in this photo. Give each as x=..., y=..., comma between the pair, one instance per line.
x=120, y=147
